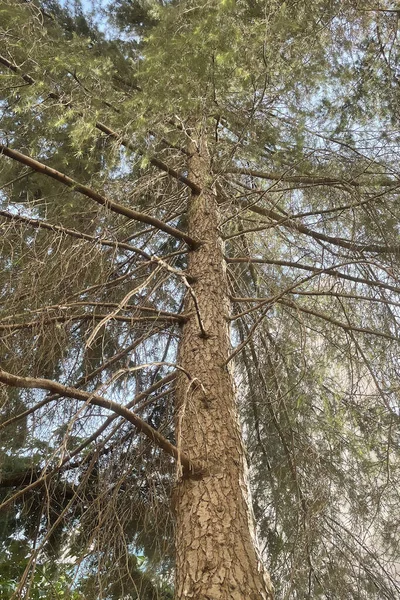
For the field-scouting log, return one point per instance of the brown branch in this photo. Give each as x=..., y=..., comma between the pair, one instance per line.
x=19, y=178
x=90, y=376
x=27, y=412
x=27, y=78
x=384, y=10
x=327, y=293
x=154, y=436
x=251, y=332
x=344, y=207
x=38, y=224
x=290, y=454
x=28, y=475
x=89, y=317
x=31, y=478
x=270, y=301
x=306, y=179
x=328, y=271
x=340, y=295
x=44, y=476
x=128, y=307
x=370, y=552
x=337, y=241
x=107, y=422
x=344, y=326
x=93, y=195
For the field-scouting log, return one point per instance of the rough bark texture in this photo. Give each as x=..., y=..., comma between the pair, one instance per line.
x=215, y=542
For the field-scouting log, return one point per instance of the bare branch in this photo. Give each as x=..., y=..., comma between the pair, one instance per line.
x=307, y=179
x=38, y=224
x=344, y=326
x=93, y=195
x=154, y=436
x=90, y=317
x=109, y=420
x=327, y=271
x=337, y=241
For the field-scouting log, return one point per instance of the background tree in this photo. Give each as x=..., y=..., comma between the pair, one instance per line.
x=169, y=168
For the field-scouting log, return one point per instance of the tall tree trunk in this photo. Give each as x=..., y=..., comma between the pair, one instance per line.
x=216, y=550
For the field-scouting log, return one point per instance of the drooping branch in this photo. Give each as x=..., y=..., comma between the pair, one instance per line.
x=337, y=323
x=307, y=179
x=344, y=207
x=36, y=476
x=16, y=179
x=96, y=196
x=143, y=395
x=127, y=307
x=285, y=220
x=289, y=452
x=341, y=295
x=327, y=271
x=250, y=335
x=270, y=301
x=39, y=224
x=31, y=476
x=327, y=293
x=336, y=241
x=359, y=541
x=361, y=202
x=90, y=317
x=395, y=11
x=69, y=392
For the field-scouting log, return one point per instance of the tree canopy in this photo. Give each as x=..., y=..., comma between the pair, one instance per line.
x=101, y=107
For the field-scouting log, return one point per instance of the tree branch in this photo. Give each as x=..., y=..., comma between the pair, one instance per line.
x=327, y=293
x=328, y=271
x=305, y=179
x=337, y=241
x=89, y=317
x=154, y=436
x=38, y=224
x=344, y=326
x=93, y=195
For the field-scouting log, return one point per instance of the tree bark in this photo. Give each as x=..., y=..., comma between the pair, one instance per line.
x=216, y=551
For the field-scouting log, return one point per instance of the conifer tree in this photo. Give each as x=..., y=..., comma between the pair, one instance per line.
x=200, y=246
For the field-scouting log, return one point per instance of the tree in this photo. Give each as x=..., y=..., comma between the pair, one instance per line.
x=199, y=218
